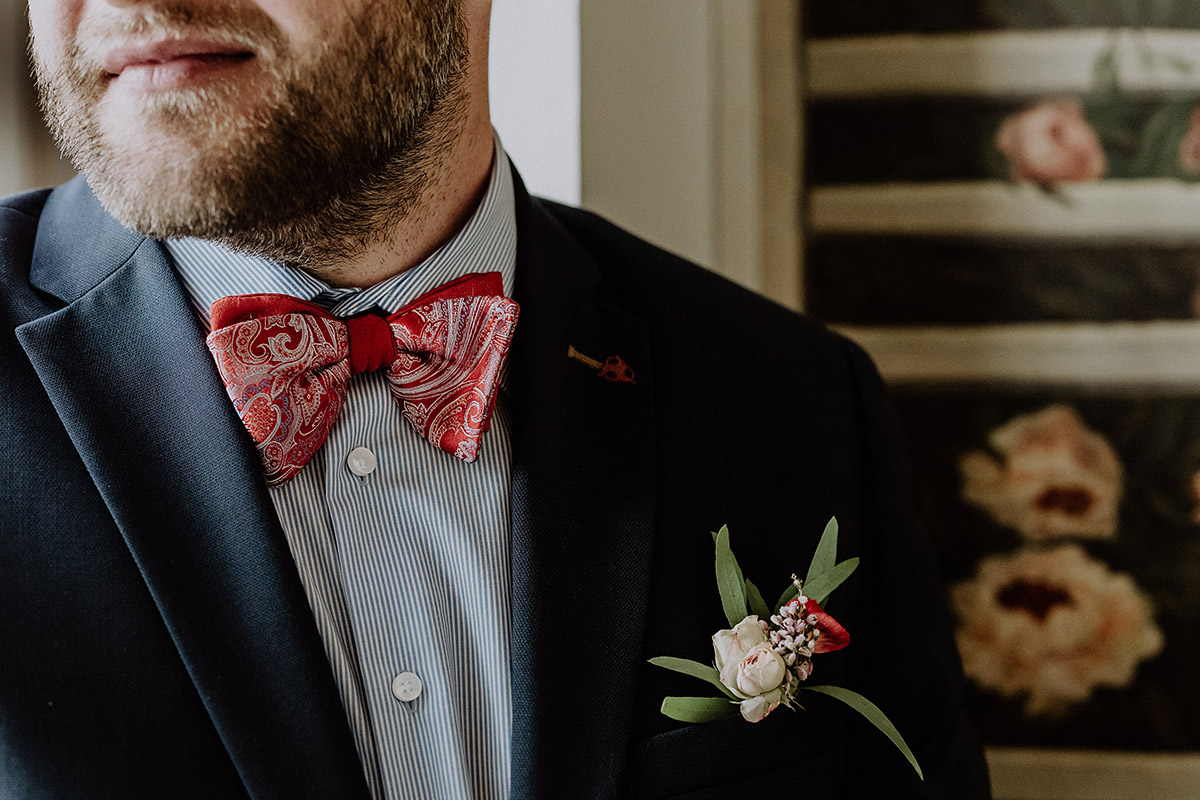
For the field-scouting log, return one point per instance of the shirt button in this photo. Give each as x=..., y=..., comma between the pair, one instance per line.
x=406, y=686
x=361, y=461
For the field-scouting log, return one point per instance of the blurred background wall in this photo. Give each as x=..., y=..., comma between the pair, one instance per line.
x=28, y=157
x=1002, y=205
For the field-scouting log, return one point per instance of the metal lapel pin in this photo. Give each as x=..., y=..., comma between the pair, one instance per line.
x=612, y=368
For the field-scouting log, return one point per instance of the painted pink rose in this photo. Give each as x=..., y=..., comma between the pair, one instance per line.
x=1189, y=146
x=1196, y=497
x=1051, y=143
x=1047, y=476
x=1052, y=626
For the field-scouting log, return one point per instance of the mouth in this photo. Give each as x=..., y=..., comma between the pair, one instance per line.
x=172, y=63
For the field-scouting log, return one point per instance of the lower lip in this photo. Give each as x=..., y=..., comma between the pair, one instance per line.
x=180, y=72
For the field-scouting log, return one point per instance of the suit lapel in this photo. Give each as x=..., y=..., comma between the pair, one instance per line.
x=582, y=514
x=125, y=366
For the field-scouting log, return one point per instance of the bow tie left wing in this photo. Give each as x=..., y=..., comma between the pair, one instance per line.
x=286, y=374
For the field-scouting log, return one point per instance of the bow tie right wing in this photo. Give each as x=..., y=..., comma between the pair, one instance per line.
x=447, y=369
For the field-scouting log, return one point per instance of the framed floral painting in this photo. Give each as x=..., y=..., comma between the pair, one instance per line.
x=1002, y=204
x=1069, y=528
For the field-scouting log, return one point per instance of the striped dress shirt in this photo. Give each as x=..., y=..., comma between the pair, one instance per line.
x=406, y=567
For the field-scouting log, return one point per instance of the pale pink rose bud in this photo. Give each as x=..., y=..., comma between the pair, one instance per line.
x=760, y=671
x=755, y=708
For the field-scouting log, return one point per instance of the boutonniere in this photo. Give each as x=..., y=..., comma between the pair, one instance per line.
x=764, y=660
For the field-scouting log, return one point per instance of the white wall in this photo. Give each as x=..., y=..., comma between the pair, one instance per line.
x=671, y=132
x=534, y=88
x=647, y=89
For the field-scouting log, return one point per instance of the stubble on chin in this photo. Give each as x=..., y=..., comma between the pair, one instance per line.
x=326, y=158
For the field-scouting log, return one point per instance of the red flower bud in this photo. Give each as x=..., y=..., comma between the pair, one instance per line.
x=833, y=635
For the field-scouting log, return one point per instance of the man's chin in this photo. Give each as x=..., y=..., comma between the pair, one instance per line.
x=172, y=170
x=162, y=200
x=158, y=222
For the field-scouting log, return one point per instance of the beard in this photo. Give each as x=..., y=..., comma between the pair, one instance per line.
x=333, y=151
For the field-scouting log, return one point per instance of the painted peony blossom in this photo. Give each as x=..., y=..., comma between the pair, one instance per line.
x=1053, y=477
x=1052, y=626
x=1051, y=143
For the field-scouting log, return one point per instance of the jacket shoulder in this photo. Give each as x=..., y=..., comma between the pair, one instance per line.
x=19, y=218
x=665, y=284
x=25, y=205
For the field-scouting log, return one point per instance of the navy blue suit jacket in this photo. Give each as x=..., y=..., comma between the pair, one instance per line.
x=156, y=641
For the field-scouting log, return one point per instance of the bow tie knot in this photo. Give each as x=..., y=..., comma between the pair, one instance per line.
x=286, y=365
x=372, y=345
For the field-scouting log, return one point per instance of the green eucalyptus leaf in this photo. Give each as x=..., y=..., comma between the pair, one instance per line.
x=1105, y=77
x=693, y=668
x=1158, y=147
x=826, y=555
x=820, y=587
x=730, y=581
x=1179, y=64
x=698, y=709
x=876, y=717
x=754, y=599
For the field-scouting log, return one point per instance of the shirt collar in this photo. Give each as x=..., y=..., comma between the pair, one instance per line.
x=487, y=243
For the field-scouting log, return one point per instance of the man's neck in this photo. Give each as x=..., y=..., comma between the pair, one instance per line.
x=451, y=195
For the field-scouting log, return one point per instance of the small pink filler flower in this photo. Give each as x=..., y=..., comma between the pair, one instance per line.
x=1052, y=626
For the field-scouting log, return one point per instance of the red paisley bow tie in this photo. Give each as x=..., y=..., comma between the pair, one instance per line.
x=286, y=364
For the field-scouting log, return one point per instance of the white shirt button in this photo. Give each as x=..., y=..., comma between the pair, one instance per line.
x=406, y=686
x=361, y=462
